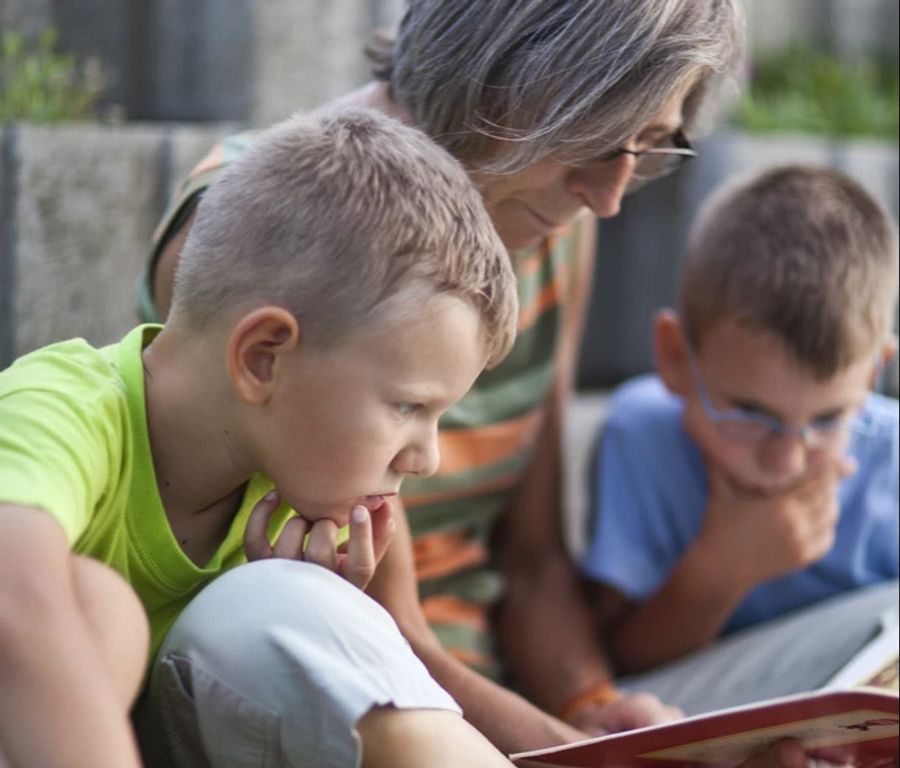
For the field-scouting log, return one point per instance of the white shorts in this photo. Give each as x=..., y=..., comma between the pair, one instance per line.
x=796, y=652
x=273, y=664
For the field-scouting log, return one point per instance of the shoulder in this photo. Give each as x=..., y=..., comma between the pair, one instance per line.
x=882, y=411
x=878, y=438
x=643, y=429
x=62, y=366
x=644, y=402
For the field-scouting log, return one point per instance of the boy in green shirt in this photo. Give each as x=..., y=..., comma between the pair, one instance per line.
x=341, y=288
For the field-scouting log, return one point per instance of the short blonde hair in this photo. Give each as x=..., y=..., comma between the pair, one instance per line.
x=333, y=213
x=503, y=84
x=803, y=253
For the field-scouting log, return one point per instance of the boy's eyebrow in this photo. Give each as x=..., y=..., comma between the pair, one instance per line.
x=421, y=393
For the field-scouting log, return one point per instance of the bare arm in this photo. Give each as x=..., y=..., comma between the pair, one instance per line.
x=60, y=705
x=507, y=720
x=542, y=586
x=543, y=590
x=687, y=613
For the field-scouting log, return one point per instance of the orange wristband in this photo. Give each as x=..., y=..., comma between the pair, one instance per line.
x=602, y=693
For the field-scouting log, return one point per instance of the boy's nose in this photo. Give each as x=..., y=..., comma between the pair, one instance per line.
x=601, y=185
x=420, y=458
x=785, y=456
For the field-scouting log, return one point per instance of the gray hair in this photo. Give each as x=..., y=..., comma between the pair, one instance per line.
x=802, y=253
x=504, y=83
x=333, y=215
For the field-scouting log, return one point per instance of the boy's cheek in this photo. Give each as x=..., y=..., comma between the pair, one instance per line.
x=732, y=459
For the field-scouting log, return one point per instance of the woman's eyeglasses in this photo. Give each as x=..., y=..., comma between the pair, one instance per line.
x=656, y=161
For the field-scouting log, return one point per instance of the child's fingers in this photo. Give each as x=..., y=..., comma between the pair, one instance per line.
x=256, y=543
x=358, y=566
x=786, y=753
x=383, y=527
x=321, y=547
x=290, y=542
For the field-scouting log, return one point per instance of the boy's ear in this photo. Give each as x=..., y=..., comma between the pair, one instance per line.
x=885, y=355
x=670, y=352
x=257, y=348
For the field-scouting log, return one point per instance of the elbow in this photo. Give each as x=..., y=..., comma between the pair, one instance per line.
x=29, y=610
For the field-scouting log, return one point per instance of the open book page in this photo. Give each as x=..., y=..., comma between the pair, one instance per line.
x=861, y=726
x=878, y=661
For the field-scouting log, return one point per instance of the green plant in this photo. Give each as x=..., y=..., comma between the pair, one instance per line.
x=40, y=84
x=809, y=91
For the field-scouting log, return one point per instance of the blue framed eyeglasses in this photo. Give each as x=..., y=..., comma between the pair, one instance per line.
x=750, y=427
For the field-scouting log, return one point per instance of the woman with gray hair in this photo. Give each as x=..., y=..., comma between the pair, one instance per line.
x=558, y=109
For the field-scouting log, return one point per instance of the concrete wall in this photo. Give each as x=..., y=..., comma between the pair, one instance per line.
x=244, y=60
x=78, y=205
x=848, y=27
x=256, y=60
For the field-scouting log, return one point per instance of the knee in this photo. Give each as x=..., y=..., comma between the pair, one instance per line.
x=117, y=621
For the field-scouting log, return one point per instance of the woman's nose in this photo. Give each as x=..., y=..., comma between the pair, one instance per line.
x=601, y=185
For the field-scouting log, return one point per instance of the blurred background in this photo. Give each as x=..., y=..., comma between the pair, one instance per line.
x=105, y=105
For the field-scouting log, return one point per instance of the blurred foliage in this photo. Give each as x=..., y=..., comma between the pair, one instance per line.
x=803, y=90
x=40, y=84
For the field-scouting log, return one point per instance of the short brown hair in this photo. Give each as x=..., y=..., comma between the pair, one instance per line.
x=803, y=253
x=330, y=215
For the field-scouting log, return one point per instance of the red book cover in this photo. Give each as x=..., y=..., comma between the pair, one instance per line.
x=860, y=725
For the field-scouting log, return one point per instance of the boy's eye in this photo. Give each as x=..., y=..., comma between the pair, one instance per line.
x=748, y=409
x=407, y=409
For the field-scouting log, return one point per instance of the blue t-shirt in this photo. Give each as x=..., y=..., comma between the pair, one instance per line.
x=650, y=490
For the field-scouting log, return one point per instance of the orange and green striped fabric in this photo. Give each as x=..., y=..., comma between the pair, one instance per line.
x=486, y=439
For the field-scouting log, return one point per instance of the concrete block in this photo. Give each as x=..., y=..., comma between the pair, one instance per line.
x=7, y=224
x=753, y=152
x=775, y=24
x=88, y=198
x=874, y=165
x=864, y=27
x=584, y=415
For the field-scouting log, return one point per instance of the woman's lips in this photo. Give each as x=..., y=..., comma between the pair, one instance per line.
x=547, y=224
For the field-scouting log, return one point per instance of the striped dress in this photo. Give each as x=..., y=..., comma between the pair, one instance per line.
x=485, y=440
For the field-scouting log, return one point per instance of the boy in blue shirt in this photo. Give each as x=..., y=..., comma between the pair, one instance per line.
x=756, y=474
